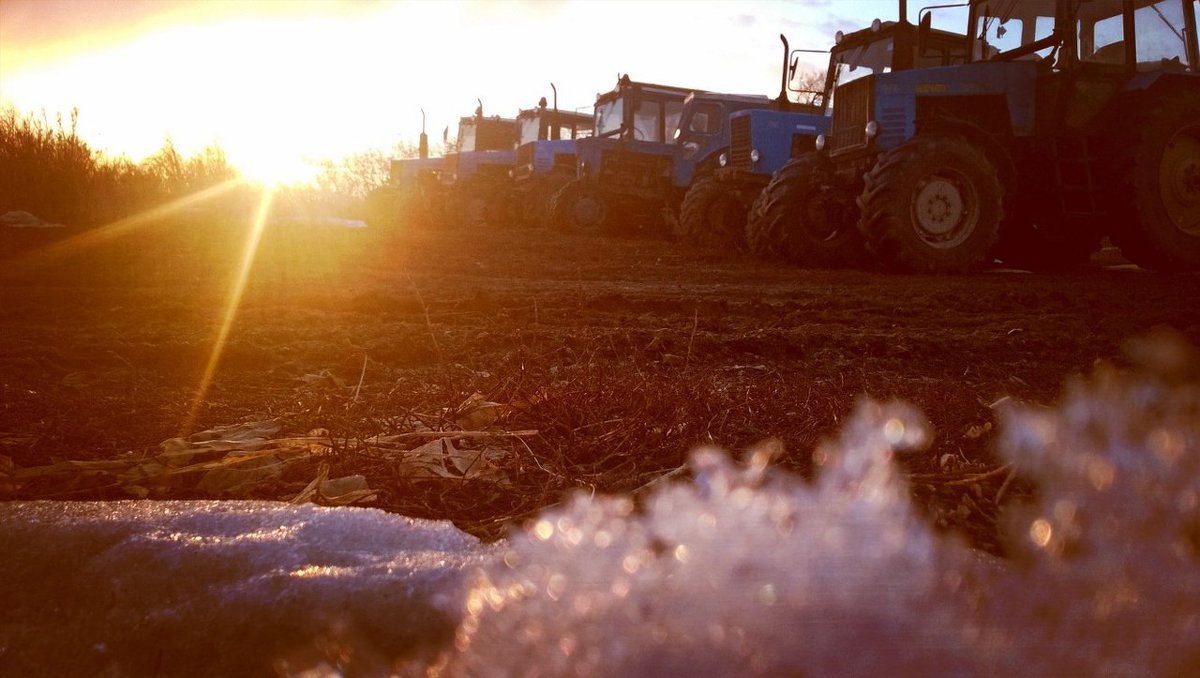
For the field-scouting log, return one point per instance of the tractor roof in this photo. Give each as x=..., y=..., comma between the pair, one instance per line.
x=747, y=99
x=624, y=83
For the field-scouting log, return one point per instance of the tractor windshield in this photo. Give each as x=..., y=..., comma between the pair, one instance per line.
x=609, y=117
x=529, y=129
x=655, y=119
x=466, y=137
x=853, y=63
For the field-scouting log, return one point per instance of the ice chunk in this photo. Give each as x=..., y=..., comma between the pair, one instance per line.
x=222, y=588
x=744, y=571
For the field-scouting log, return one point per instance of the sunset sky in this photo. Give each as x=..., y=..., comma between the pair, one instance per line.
x=276, y=81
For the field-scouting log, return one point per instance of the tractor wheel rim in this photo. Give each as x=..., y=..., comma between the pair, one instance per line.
x=943, y=209
x=1179, y=179
x=588, y=212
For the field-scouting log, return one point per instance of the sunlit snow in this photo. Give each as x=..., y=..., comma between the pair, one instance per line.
x=743, y=571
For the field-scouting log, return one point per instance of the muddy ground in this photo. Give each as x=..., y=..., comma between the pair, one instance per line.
x=622, y=355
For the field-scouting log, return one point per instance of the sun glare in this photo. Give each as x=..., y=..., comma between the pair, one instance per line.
x=272, y=170
x=233, y=302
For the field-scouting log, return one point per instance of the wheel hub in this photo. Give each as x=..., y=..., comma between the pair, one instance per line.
x=588, y=212
x=1179, y=178
x=939, y=209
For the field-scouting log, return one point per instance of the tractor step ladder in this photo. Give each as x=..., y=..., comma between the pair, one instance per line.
x=1078, y=190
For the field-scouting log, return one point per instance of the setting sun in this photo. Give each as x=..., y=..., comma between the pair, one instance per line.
x=277, y=83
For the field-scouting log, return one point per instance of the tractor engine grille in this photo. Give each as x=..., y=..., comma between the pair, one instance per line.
x=633, y=170
x=739, y=142
x=851, y=111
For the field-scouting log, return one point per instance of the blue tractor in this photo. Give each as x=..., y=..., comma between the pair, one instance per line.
x=404, y=199
x=474, y=177
x=634, y=170
x=1071, y=120
x=545, y=159
x=796, y=210
x=761, y=139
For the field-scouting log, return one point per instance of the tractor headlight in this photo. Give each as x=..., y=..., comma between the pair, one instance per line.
x=678, y=131
x=755, y=156
x=871, y=129
x=723, y=159
x=837, y=37
x=876, y=25
x=819, y=143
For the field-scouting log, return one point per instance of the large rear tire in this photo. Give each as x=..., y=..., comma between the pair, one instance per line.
x=712, y=215
x=804, y=216
x=1156, y=203
x=579, y=207
x=932, y=205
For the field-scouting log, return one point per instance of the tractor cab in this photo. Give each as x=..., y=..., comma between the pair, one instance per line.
x=484, y=145
x=475, y=175
x=703, y=133
x=546, y=140
x=631, y=144
x=545, y=160
x=624, y=168
x=650, y=143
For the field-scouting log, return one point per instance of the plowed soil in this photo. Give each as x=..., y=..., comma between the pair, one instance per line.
x=624, y=354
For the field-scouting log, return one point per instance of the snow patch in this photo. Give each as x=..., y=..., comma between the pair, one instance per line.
x=743, y=571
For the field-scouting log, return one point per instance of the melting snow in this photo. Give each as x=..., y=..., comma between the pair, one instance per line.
x=744, y=571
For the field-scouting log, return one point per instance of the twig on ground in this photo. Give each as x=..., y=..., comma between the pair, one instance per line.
x=361, y=376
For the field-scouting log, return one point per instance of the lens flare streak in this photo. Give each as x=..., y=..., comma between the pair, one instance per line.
x=232, y=302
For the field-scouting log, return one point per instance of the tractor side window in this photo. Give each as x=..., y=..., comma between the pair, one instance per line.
x=646, y=121
x=1102, y=34
x=674, y=110
x=706, y=119
x=1001, y=37
x=1000, y=34
x=1160, y=38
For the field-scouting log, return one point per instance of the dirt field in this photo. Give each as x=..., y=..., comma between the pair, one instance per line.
x=621, y=354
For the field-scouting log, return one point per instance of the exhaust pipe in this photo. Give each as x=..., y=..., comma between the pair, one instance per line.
x=423, y=144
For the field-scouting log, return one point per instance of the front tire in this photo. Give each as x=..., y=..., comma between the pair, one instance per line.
x=712, y=215
x=805, y=217
x=579, y=208
x=1156, y=203
x=932, y=205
